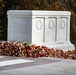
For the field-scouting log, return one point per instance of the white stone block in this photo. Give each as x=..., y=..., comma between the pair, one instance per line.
x=48, y=28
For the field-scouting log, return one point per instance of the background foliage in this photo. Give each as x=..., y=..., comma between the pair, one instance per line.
x=6, y=5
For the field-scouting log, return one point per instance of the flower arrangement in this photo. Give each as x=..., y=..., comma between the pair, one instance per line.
x=21, y=49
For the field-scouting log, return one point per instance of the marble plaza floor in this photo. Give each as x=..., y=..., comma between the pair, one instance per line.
x=36, y=66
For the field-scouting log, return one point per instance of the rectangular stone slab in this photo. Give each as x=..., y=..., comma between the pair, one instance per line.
x=48, y=28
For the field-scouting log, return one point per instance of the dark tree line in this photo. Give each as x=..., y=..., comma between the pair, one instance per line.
x=65, y=5
x=5, y=5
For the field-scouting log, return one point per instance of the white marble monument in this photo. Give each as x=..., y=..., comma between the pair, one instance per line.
x=48, y=28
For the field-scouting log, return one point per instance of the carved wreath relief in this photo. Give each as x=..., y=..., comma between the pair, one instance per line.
x=62, y=24
x=51, y=24
x=39, y=25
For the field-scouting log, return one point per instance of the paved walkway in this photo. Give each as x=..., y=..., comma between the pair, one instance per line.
x=36, y=66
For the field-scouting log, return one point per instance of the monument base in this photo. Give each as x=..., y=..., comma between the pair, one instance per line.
x=64, y=47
